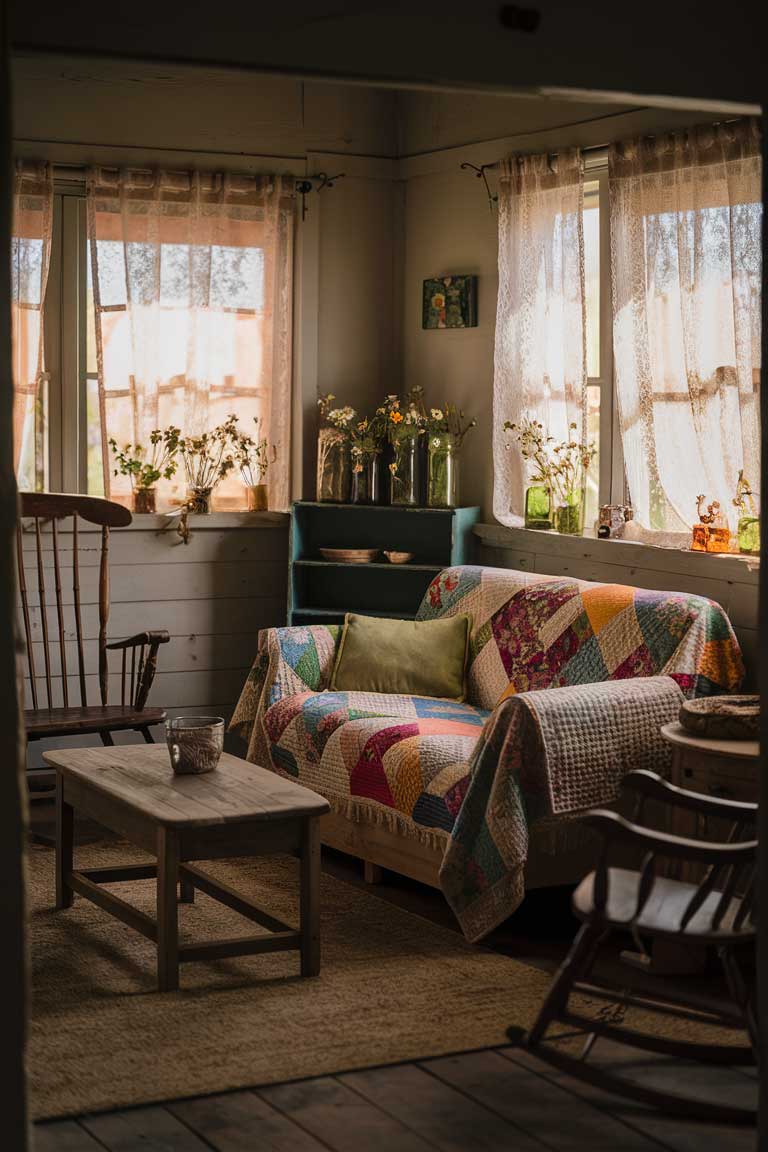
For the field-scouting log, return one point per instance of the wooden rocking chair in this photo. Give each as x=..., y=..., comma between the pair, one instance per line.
x=717, y=912
x=49, y=716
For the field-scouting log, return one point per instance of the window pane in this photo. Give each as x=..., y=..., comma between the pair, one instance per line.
x=592, y=274
x=32, y=473
x=592, y=505
x=95, y=477
x=190, y=355
x=90, y=321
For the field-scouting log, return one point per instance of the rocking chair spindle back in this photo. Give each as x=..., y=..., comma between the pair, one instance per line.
x=49, y=630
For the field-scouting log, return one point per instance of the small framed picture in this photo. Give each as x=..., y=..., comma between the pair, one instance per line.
x=450, y=302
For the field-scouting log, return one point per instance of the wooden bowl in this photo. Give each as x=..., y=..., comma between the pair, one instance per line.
x=398, y=557
x=349, y=555
x=722, y=717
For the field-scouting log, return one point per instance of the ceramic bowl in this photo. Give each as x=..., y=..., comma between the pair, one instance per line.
x=399, y=557
x=349, y=555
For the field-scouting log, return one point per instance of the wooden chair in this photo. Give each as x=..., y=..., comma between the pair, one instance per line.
x=50, y=716
x=716, y=911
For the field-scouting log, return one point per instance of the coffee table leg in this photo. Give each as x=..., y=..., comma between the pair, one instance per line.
x=310, y=897
x=167, y=910
x=65, y=823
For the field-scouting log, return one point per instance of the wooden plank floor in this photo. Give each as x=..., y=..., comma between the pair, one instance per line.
x=489, y=1101
x=502, y=1099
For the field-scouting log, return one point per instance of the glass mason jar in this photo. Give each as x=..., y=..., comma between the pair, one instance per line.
x=568, y=518
x=749, y=535
x=144, y=500
x=365, y=478
x=442, y=471
x=199, y=500
x=256, y=497
x=332, y=466
x=538, y=507
x=405, y=468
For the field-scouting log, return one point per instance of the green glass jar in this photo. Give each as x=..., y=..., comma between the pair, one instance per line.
x=538, y=507
x=442, y=471
x=333, y=466
x=568, y=518
x=749, y=535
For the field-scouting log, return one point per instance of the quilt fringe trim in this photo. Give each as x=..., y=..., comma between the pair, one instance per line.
x=371, y=812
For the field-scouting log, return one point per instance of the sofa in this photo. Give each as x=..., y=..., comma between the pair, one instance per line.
x=568, y=683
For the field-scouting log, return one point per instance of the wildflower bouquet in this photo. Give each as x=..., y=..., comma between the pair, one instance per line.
x=144, y=467
x=207, y=459
x=559, y=466
x=333, y=450
x=445, y=429
x=252, y=455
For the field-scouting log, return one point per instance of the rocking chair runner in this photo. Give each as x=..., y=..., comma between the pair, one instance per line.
x=48, y=716
x=717, y=911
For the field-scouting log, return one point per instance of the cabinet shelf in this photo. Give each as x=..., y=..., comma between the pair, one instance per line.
x=341, y=613
x=376, y=565
x=325, y=590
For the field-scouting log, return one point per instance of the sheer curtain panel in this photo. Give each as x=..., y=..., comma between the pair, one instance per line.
x=192, y=290
x=30, y=259
x=540, y=350
x=685, y=262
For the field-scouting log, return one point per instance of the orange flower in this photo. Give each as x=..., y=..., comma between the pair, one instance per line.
x=396, y=417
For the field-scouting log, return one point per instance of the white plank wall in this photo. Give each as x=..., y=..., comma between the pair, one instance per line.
x=731, y=581
x=212, y=595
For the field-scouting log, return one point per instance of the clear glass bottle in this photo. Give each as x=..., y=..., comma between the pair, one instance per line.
x=405, y=468
x=333, y=466
x=366, y=478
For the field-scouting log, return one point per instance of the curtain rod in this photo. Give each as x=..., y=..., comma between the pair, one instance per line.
x=71, y=173
x=597, y=152
x=593, y=156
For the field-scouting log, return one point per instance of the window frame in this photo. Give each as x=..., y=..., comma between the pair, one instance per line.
x=611, y=481
x=65, y=339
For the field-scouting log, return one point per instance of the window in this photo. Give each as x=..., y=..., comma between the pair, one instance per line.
x=183, y=324
x=686, y=219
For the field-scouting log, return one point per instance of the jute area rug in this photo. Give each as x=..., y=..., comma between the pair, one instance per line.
x=393, y=987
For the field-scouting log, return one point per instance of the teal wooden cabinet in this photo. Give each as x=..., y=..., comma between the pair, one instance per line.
x=321, y=592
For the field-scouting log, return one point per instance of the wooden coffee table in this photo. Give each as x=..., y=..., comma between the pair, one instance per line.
x=237, y=810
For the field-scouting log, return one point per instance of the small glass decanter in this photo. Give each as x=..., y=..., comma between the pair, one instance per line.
x=748, y=529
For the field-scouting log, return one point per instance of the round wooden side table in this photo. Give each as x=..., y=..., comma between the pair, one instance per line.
x=723, y=768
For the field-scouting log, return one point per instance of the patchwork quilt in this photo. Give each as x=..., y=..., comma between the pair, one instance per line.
x=409, y=762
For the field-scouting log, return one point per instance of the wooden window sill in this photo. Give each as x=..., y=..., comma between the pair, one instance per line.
x=629, y=554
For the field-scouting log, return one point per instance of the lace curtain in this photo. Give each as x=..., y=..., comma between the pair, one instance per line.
x=540, y=350
x=685, y=215
x=30, y=259
x=192, y=290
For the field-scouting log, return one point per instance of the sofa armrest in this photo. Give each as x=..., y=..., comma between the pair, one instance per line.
x=300, y=659
x=288, y=661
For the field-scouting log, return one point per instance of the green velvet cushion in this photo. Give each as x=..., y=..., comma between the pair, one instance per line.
x=406, y=657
